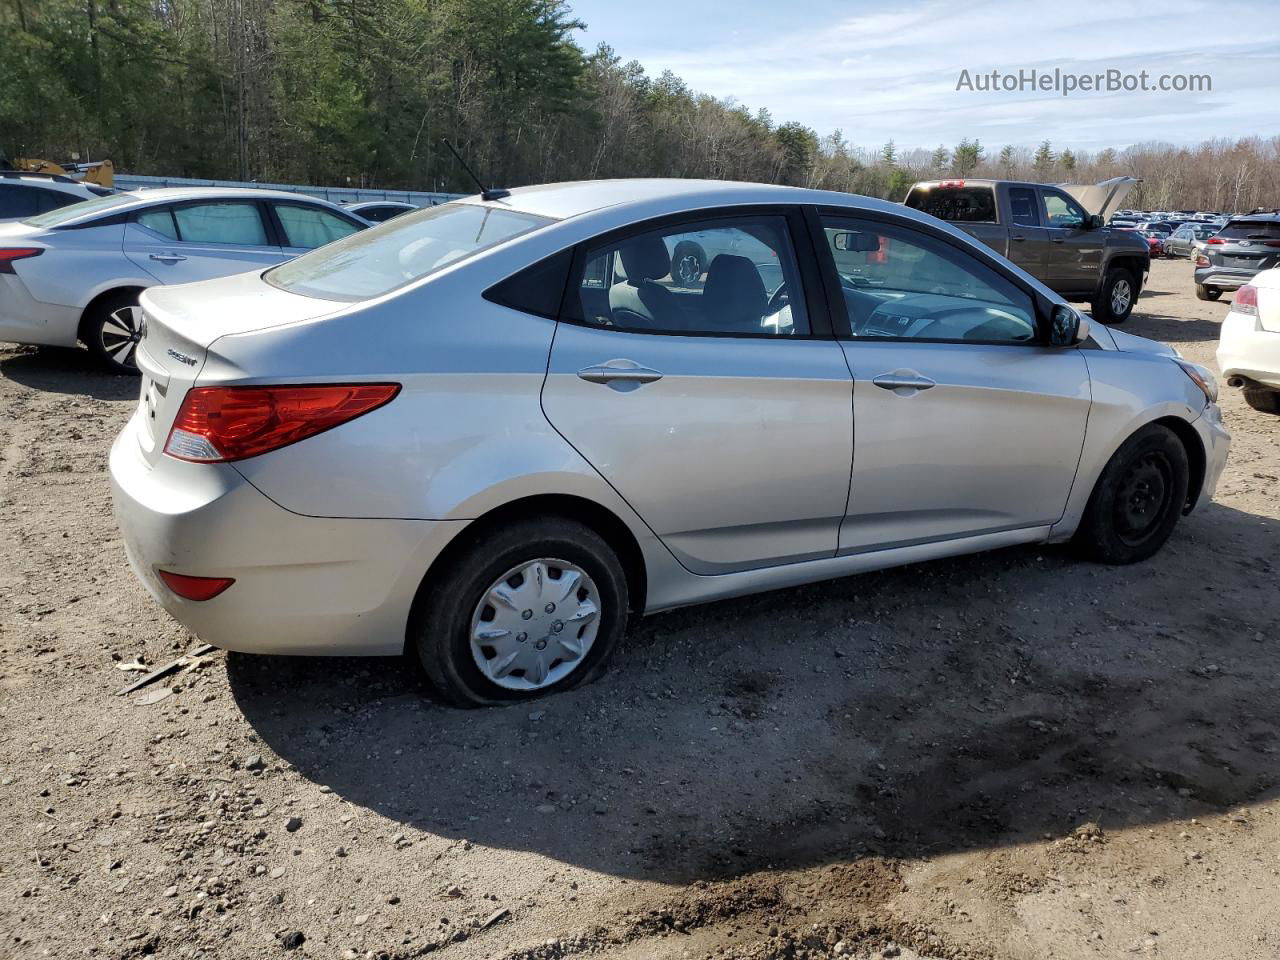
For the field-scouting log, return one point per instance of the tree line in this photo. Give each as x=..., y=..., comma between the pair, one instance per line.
x=362, y=92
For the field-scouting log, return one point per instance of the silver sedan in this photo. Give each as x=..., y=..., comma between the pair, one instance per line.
x=492, y=432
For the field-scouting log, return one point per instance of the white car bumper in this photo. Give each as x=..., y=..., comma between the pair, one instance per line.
x=303, y=585
x=1246, y=350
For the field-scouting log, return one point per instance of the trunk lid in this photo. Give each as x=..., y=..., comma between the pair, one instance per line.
x=180, y=323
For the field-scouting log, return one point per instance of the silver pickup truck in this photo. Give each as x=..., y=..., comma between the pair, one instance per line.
x=1048, y=232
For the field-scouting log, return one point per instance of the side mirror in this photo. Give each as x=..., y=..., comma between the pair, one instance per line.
x=1067, y=327
x=855, y=241
x=1094, y=222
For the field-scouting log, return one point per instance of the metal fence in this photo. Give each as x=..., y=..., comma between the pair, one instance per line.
x=129, y=181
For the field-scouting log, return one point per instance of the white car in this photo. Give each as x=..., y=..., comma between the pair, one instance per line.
x=1249, y=344
x=24, y=194
x=74, y=274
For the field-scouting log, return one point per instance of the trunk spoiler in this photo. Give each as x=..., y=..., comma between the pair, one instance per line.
x=1103, y=198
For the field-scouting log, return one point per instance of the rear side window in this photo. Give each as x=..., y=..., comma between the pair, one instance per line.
x=956, y=204
x=16, y=201
x=160, y=220
x=234, y=222
x=370, y=263
x=535, y=289
x=1251, y=230
x=311, y=227
x=1023, y=209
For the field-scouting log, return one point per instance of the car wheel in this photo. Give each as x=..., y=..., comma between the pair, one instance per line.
x=1137, y=500
x=687, y=263
x=524, y=610
x=1207, y=293
x=1262, y=399
x=1114, y=301
x=111, y=331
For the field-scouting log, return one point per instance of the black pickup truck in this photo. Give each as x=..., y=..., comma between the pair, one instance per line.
x=1048, y=233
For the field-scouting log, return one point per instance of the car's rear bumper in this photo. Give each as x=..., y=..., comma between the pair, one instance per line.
x=303, y=585
x=24, y=319
x=1224, y=278
x=1246, y=351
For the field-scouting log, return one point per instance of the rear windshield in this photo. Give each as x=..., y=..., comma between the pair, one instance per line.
x=56, y=218
x=1251, y=230
x=373, y=262
x=956, y=204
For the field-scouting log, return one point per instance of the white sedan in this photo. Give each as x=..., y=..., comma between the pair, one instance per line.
x=74, y=274
x=1249, y=344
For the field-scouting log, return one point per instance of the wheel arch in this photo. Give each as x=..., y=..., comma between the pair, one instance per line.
x=97, y=301
x=598, y=517
x=1133, y=264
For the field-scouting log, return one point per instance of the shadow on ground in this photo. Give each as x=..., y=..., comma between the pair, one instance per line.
x=62, y=370
x=1157, y=326
x=959, y=704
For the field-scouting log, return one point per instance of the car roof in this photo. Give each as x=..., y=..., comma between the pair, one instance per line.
x=561, y=201
x=1255, y=218
x=148, y=196
x=364, y=204
x=44, y=181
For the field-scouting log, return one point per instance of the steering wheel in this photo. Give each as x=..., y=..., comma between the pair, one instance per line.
x=779, y=299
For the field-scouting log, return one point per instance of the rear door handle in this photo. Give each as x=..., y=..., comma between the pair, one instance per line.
x=1019, y=238
x=619, y=371
x=1059, y=239
x=168, y=257
x=903, y=382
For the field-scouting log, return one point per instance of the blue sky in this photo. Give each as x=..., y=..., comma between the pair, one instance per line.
x=881, y=70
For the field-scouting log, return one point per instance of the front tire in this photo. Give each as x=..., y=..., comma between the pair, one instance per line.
x=1114, y=300
x=524, y=610
x=1262, y=399
x=111, y=330
x=1207, y=293
x=1137, y=500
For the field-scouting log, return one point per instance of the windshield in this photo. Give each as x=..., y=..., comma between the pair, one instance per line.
x=406, y=248
x=55, y=218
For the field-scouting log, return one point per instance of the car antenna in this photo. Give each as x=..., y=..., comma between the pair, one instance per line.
x=486, y=193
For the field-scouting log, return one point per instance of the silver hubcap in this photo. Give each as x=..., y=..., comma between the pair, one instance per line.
x=535, y=624
x=121, y=332
x=1120, y=296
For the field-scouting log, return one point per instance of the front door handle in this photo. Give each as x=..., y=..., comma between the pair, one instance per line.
x=1059, y=239
x=1019, y=238
x=168, y=257
x=619, y=371
x=904, y=382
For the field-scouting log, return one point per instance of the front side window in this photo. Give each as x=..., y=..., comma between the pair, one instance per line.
x=369, y=263
x=227, y=222
x=733, y=276
x=900, y=283
x=311, y=227
x=1062, y=211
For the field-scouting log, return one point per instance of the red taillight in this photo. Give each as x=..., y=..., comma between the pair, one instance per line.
x=1201, y=260
x=1246, y=300
x=218, y=424
x=194, y=588
x=948, y=184
x=1215, y=241
x=10, y=254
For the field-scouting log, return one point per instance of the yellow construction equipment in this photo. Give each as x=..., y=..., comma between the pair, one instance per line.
x=101, y=172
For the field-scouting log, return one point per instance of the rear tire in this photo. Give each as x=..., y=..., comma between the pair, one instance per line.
x=1114, y=300
x=111, y=330
x=472, y=664
x=1137, y=500
x=1262, y=399
x=1207, y=293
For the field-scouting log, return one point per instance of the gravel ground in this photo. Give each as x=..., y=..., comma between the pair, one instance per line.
x=1014, y=755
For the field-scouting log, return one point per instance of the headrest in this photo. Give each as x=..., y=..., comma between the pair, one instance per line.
x=645, y=258
x=734, y=296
